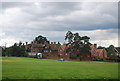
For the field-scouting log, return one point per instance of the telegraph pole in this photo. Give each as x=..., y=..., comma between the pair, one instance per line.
x=5, y=48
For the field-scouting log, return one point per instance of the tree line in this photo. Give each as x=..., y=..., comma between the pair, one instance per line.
x=17, y=50
x=74, y=40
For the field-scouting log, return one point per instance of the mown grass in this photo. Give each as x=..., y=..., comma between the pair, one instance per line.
x=30, y=68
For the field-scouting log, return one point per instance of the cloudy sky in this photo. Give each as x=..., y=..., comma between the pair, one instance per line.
x=23, y=21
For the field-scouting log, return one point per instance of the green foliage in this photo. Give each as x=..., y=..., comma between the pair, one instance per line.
x=58, y=55
x=17, y=50
x=100, y=47
x=73, y=57
x=40, y=39
x=49, y=54
x=110, y=51
x=76, y=44
x=113, y=59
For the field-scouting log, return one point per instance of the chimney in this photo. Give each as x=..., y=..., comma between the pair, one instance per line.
x=45, y=42
x=51, y=42
x=95, y=46
x=48, y=42
x=31, y=42
x=26, y=43
x=23, y=44
x=54, y=42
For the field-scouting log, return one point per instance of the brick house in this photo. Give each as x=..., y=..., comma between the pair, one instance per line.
x=100, y=53
x=37, y=48
x=53, y=50
x=62, y=52
x=67, y=56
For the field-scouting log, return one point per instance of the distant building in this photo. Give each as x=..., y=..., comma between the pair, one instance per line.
x=53, y=50
x=62, y=52
x=117, y=51
x=100, y=53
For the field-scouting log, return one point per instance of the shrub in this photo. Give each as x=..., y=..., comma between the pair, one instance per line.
x=73, y=57
x=48, y=54
x=58, y=55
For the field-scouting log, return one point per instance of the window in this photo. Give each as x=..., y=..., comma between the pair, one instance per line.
x=60, y=53
x=60, y=49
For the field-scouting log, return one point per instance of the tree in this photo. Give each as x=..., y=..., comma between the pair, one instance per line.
x=100, y=47
x=40, y=39
x=76, y=45
x=110, y=51
x=17, y=50
x=86, y=39
x=69, y=36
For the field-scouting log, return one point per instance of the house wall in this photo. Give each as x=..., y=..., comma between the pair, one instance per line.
x=54, y=53
x=34, y=50
x=104, y=53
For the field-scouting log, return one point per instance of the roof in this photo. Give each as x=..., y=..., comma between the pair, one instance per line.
x=117, y=49
x=63, y=47
x=38, y=45
x=99, y=51
x=54, y=46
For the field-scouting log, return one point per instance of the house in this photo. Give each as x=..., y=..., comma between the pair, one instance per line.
x=54, y=49
x=62, y=52
x=117, y=50
x=99, y=53
x=34, y=49
x=71, y=56
x=47, y=51
x=28, y=47
x=37, y=48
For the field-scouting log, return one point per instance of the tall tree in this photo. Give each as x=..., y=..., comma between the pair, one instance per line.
x=111, y=51
x=75, y=43
x=40, y=39
x=17, y=50
x=86, y=39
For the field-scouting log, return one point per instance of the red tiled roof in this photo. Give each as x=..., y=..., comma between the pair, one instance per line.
x=100, y=51
x=54, y=46
x=63, y=47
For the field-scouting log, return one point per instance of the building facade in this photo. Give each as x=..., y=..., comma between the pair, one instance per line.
x=56, y=51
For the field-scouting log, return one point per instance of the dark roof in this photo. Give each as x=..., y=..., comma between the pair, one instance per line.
x=118, y=49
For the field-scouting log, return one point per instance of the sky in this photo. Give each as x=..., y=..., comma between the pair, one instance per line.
x=23, y=21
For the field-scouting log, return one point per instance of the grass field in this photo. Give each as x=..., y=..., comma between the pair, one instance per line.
x=30, y=68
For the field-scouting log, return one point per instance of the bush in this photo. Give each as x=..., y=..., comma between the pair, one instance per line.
x=115, y=59
x=48, y=54
x=25, y=54
x=73, y=57
x=58, y=55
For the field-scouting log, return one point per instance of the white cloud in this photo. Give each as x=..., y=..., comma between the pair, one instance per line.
x=24, y=21
x=8, y=41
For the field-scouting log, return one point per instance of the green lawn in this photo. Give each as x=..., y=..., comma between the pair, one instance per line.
x=30, y=68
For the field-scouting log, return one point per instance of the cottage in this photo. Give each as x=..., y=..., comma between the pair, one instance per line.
x=99, y=53
x=54, y=49
x=62, y=52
